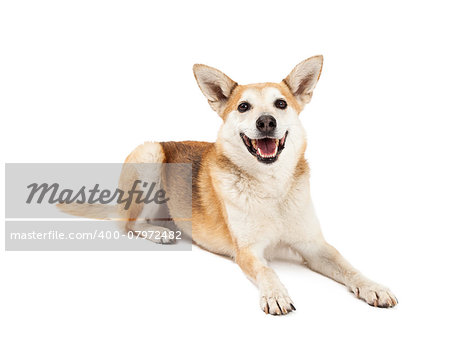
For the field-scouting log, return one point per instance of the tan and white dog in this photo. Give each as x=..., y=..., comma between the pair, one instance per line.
x=250, y=189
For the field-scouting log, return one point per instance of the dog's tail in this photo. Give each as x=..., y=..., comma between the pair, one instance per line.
x=92, y=211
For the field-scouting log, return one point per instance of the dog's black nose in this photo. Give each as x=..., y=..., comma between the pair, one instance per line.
x=266, y=123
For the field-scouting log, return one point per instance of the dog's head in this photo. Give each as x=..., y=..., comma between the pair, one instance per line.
x=260, y=119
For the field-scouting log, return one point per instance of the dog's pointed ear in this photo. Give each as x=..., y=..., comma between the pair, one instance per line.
x=215, y=85
x=303, y=78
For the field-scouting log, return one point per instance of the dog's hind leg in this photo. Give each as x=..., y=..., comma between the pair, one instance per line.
x=144, y=165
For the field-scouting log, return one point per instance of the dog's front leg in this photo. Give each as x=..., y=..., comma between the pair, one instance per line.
x=325, y=259
x=274, y=298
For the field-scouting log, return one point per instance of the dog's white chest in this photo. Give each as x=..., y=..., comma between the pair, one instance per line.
x=267, y=210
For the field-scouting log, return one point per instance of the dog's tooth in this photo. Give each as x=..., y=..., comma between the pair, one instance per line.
x=254, y=143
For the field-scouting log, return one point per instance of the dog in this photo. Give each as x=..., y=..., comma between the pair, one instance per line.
x=250, y=189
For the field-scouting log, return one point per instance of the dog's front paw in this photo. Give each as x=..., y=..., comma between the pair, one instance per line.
x=374, y=294
x=276, y=301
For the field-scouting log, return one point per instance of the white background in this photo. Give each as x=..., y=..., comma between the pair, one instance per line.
x=87, y=81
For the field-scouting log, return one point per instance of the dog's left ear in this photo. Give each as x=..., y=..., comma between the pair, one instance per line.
x=215, y=85
x=303, y=78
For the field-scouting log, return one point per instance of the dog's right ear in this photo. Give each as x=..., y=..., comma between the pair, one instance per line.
x=303, y=78
x=215, y=85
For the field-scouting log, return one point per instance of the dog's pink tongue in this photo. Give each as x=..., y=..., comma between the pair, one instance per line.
x=266, y=146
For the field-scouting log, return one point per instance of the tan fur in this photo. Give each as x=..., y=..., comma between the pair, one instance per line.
x=249, y=263
x=207, y=214
x=91, y=211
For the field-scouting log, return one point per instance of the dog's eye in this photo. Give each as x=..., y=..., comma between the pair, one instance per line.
x=280, y=104
x=243, y=107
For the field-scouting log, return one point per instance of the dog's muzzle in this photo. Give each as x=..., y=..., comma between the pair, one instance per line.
x=265, y=149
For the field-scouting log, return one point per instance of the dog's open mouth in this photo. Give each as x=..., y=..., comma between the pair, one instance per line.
x=266, y=150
